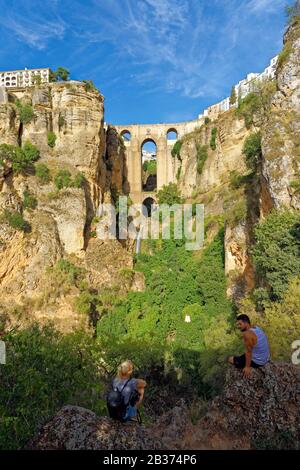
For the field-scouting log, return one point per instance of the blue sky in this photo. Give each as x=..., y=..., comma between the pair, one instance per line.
x=154, y=60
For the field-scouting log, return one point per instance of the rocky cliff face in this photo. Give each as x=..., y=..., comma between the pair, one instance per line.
x=62, y=223
x=281, y=132
x=219, y=186
x=259, y=413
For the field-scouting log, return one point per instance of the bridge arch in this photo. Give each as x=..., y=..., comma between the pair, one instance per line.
x=126, y=135
x=148, y=202
x=172, y=134
x=149, y=164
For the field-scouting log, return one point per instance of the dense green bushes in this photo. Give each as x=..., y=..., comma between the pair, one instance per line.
x=179, y=284
x=150, y=167
x=45, y=370
x=169, y=194
x=276, y=252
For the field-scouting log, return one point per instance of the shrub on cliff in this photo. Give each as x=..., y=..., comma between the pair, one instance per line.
x=63, y=179
x=213, y=139
x=51, y=139
x=169, y=194
x=19, y=158
x=202, y=156
x=42, y=172
x=29, y=201
x=26, y=113
x=252, y=151
x=276, y=251
x=175, y=152
x=15, y=220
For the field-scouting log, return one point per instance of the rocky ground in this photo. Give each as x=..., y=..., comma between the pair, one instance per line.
x=260, y=412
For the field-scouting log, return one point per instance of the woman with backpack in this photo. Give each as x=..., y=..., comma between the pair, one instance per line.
x=126, y=395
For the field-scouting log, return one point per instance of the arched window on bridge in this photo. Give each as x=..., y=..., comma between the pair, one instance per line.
x=148, y=203
x=149, y=165
x=172, y=134
x=126, y=136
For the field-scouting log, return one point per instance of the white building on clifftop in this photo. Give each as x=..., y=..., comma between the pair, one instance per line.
x=242, y=89
x=24, y=78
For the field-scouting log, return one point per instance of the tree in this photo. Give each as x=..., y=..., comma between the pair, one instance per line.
x=61, y=74
x=233, y=96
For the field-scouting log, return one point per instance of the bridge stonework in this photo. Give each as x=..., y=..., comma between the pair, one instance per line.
x=167, y=166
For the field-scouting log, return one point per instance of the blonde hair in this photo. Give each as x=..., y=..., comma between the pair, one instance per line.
x=125, y=369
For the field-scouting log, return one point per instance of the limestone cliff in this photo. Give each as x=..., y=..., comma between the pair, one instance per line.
x=62, y=223
x=213, y=172
x=281, y=131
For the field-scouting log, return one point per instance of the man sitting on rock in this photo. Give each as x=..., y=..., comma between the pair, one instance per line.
x=257, y=347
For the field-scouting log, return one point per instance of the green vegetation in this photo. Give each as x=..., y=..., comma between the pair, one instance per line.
x=36, y=80
x=89, y=85
x=26, y=113
x=255, y=107
x=233, y=96
x=202, y=155
x=42, y=172
x=252, y=151
x=78, y=180
x=213, y=139
x=176, y=149
x=29, y=201
x=45, y=370
x=19, y=158
x=51, y=139
x=285, y=54
x=179, y=285
x=63, y=179
x=169, y=194
x=276, y=252
x=61, y=74
x=15, y=220
x=206, y=121
x=293, y=12
x=150, y=166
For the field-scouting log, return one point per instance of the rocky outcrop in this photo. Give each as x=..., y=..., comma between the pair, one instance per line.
x=75, y=428
x=257, y=413
x=281, y=132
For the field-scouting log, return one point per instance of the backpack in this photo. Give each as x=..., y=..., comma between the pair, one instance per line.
x=116, y=405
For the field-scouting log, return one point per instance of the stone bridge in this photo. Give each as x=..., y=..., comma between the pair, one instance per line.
x=135, y=136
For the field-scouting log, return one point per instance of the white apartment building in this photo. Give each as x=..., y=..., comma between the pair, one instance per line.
x=23, y=78
x=242, y=89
